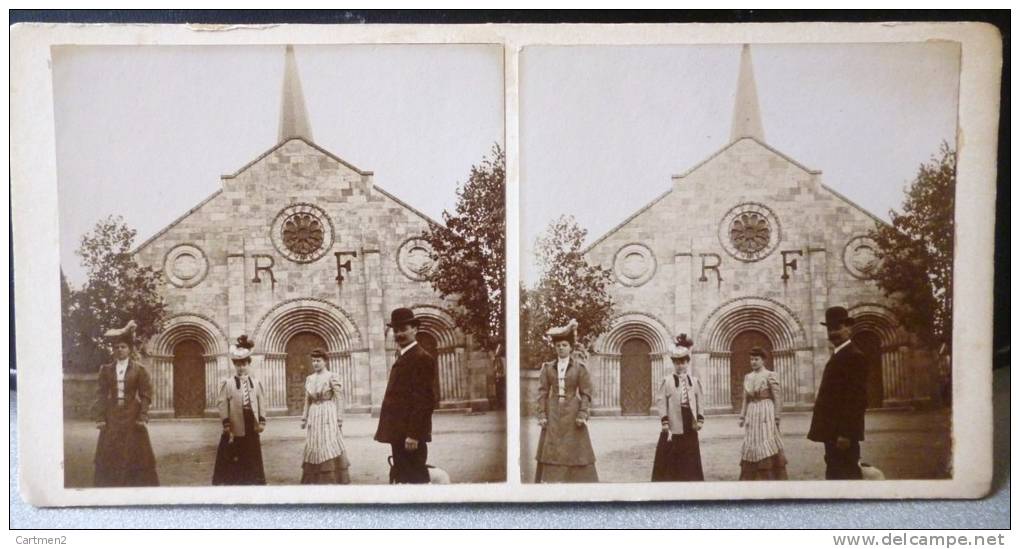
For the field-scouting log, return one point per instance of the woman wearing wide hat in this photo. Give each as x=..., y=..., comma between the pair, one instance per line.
x=242, y=408
x=564, y=401
x=124, y=454
x=325, y=457
x=678, y=453
x=761, y=455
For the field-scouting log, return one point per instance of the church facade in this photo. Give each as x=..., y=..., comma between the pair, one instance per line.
x=748, y=248
x=299, y=250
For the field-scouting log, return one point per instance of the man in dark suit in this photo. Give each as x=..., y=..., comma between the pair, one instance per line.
x=405, y=421
x=838, y=419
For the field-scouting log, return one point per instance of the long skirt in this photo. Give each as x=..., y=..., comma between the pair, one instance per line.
x=552, y=473
x=761, y=456
x=678, y=457
x=239, y=462
x=124, y=454
x=559, y=473
x=325, y=457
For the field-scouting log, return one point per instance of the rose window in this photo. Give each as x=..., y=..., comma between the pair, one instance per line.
x=302, y=233
x=750, y=232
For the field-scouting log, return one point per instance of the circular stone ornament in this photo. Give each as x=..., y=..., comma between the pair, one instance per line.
x=749, y=231
x=634, y=264
x=302, y=233
x=185, y=265
x=414, y=258
x=860, y=257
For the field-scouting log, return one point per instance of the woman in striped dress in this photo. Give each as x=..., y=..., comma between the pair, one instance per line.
x=761, y=457
x=325, y=459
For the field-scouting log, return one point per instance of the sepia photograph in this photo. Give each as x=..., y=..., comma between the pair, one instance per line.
x=313, y=316
x=505, y=264
x=737, y=262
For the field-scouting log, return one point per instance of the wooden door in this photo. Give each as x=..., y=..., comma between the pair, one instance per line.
x=299, y=366
x=635, y=377
x=189, y=379
x=870, y=344
x=740, y=362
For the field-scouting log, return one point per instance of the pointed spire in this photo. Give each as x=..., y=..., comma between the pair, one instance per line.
x=746, y=114
x=293, y=116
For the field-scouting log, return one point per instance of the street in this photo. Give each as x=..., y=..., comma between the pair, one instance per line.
x=903, y=444
x=470, y=447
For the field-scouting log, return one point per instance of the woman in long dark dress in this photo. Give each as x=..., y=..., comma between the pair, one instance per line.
x=242, y=406
x=124, y=454
x=678, y=453
x=564, y=400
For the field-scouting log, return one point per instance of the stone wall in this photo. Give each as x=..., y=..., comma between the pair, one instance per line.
x=677, y=270
x=231, y=272
x=80, y=395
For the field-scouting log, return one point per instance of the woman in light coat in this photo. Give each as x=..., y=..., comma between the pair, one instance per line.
x=242, y=406
x=678, y=453
x=564, y=400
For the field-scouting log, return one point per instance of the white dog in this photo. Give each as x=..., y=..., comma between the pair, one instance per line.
x=438, y=476
x=870, y=472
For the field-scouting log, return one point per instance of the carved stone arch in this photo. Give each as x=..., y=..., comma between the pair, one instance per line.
x=438, y=322
x=881, y=320
x=626, y=326
x=735, y=316
x=294, y=316
x=189, y=326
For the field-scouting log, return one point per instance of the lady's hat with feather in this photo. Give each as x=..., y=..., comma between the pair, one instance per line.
x=241, y=350
x=567, y=332
x=681, y=347
x=122, y=335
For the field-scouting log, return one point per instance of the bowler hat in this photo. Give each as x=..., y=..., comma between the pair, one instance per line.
x=401, y=317
x=837, y=316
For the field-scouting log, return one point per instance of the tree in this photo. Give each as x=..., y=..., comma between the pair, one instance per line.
x=469, y=253
x=117, y=289
x=568, y=287
x=915, y=253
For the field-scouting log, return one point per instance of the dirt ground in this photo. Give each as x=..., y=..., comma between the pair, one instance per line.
x=903, y=444
x=470, y=447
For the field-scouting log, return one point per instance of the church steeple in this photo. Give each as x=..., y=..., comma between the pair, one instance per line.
x=746, y=115
x=293, y=116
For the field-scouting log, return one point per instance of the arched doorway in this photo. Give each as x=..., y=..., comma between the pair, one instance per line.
x=740, y=362
x=635, y=377
x=870, y=343
x=189, y=379
x=299, y=366
x=431, y=346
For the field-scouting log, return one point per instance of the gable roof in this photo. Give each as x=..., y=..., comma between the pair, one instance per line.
x=273, y=149
x=711, y=157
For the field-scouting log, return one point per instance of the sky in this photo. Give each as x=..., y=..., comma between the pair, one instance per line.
x=603, y=128
x=146, y=131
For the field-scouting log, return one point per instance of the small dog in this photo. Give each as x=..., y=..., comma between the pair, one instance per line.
x=436, y=475
x=870, y=472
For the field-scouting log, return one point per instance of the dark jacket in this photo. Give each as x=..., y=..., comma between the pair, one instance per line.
x=842, y=398
x=410, y=398
x=562, y=441
x=137, y=391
